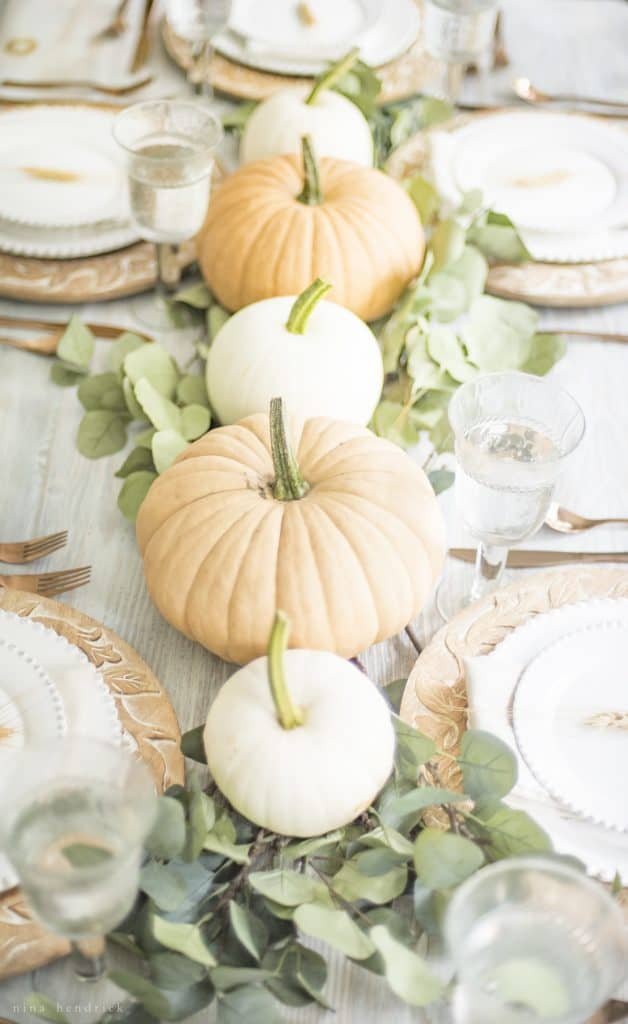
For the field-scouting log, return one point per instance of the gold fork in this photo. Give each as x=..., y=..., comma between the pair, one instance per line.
x=48, y=584
x=20, y=551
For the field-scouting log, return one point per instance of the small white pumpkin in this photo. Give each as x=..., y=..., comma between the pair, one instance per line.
x=299, y=742
x=336, y=126
x=320, y=357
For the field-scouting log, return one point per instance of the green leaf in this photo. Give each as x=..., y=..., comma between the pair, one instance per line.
x=192, y=390
x=471, y=201
x=453, y=289
x=424, y=196
x=138, y=458
x=361, y=85
x=167, y=837
x=120, y=349
x=376, y=861
x=444, y=859
x=195, y=420
x=421, y=367
x=386, y=836
x=352, y=885
x=83, y=855
x=216, y=318
x=499, y=333
x=406, y=972
x=64, y=376
x=445, y=348
x=162, y=413
x=183, y=938
x=101, y=432
x=133, y=491
x=41, y=1006
x=413, y=749
x=192, y=744
x=447, y=243
x=306, y=847
x=289, y=888
x=237, y=852
x=172, y=970
x=335, y=927
x=498, y=239
x=247, y=1005
x=154, y=364
x=227, y=977
x=145, y=438
x=148, y=994
x=393, y=421
x=236, y=118
x=429, y=907
x=76, y=345
x=441, y=479
x=202, y=817
x=300, y=974
x=131, y=402
x=102, y=391
x=616, y=884
x=197, y=295
x=167, y=445
x=129, y=1013
x=434, y=111
x=545, y=351
x=489, y=767
x=165, y=886
x=510, y=833
x=249, y=930
x=406, y=810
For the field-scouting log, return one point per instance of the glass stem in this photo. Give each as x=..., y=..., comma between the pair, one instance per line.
x=201, y=70
x=88, y=958
x=489, y=566
x=453, y=81
x=168, y=269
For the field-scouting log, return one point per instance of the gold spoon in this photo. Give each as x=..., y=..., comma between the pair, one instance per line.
x=524, y=89
x=564, y=521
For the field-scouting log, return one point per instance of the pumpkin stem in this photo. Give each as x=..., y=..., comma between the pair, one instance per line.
x=289, y=485
x=304, y=305
x=333, y=75
x=311, y=193
x=289, y=715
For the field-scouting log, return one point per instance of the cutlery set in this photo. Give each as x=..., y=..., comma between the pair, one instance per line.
x=46, y=584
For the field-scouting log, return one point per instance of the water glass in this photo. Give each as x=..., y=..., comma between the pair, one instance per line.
x=512, y=432
x=199, y=21
x=533, y=940
x=458, y=33
x=169, y=147
x=75, y=815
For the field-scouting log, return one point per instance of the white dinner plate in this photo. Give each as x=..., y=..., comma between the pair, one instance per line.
x=65, y=243
x=380, y=40
x=40, y=146
x=570, y=717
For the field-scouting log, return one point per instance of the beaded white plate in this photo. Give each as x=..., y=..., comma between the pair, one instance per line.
x=65, y=243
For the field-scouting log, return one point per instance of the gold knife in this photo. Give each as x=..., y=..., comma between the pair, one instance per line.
x=535, y=559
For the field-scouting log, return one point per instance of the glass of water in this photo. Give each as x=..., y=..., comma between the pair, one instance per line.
x=198, y=21
x=512, y=431
x=75, y=815
x=458, y=33
x=533, y=940
x=169, y=147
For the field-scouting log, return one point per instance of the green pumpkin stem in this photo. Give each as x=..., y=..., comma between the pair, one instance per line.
x=304, y=305
x=311, y=193
x=290, y=716
x=332, y=76
x=289, y=485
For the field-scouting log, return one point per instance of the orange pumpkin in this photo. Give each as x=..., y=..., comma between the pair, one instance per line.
x=271, y=228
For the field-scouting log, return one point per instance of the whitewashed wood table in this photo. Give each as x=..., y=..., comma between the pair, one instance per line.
x=48, y=486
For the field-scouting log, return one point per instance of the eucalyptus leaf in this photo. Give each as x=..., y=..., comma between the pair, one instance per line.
x=441, y=479
x=429, y=906
x=447, y=243
x=195, y=420
x=183, y=938
x=120, y=349
x=361, y=85
x=229, y=977
x=394, y=691
x=392, y=340
x=335, y=927
x=133, y=491
x=202, y=816
x=165, y=886
x=131, y=402
x=286, y=887
x=166, y=446
x=306, y=847
x=167, y=837
x=446, y=349
x=498, y=239
x=545, y=351
x=351, y=884
x=137, y=459
x=489, y=767
x=148, y=994
x=405, y=811
x=444, y=859
x=145, y=438
x=216, y=318
x=154, y=364
x=393, y=421
x=424, y=371
x=434, y=111
x=162, y=413
x=192, y=390
x=76, y=344
x=424, y=196
x=386, y=836
x=511, y=833
x=237, y=852
x=101, y=432
x=413, y=749
x=101, y=391
x=249, y=929
x=40, y=1006
x=378, y=861
x=197, y=295
x=64, y=376
x=499, y=334
x=192, y=744
x=406, y=972
x=466, y=276
x=172, y=970
x=249, y=1003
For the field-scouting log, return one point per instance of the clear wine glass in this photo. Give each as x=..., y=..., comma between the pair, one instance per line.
x=512, y=432
x=458, y=33
x=75, y=815
x=169, y=147
x=199, y=21
x=533, y=940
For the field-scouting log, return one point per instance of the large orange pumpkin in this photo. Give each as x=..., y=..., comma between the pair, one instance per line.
x=272, y=228
x=348, y=539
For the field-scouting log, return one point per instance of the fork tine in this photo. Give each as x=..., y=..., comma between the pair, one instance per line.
x=44, y=545
x=51, y=583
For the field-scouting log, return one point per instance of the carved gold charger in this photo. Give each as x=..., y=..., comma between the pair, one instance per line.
x=539, y=283
x=145, y=712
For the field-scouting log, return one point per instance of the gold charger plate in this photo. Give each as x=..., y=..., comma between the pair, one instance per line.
x=146, y=713
x=542, y=284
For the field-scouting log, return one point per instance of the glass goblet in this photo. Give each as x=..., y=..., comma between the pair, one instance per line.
x=169, y=147
x=199, y=21
x=458, y=33
x=533, y=940
x=75, y=815
x=512, y=431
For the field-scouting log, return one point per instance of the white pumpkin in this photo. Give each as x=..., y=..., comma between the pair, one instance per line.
x=299, y=742
x=319, y=356
x=336, y=126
